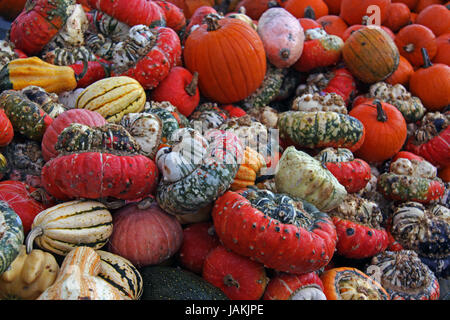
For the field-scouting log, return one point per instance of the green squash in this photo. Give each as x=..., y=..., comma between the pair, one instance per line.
x=11, y=236
x=169, y=283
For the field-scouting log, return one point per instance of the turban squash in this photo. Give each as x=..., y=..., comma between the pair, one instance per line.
x=283, y=233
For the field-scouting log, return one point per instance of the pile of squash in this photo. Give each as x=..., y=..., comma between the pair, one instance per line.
x=225, y=150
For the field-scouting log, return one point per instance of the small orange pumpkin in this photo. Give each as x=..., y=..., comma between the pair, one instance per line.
x=370, y=54
x=252, y=163
x=443, y=49
x=423, y=4
x=398, y=16
x=402, y=74
x=353, y=11
x=410, y=3
x=411, y=39
x=431, y=84
x=297, y=7
x=334, y=6
x=333, y=24
x=436, y=17
x=385, y=129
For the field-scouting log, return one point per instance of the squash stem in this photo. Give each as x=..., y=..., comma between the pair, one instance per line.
x=191, y=88
x=426, y=58
x=381, y=115
x=212, y=22
x=230, y=282
x=309, y=13
x=33, y=234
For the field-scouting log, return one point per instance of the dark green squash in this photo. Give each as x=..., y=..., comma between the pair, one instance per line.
x=169, y=283
x=11, y=236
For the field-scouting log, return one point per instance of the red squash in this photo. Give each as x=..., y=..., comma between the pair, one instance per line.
x=132, y=13
x=37, y=24
x=198, y=241
x=145, y=236
x=174, y=16
x=82, y=116
x=197, y=19
x=19, y=197
x=180, y=89
x=282, y=246
x=287, y=286
x=308, y=23
x=6, y=129
x=96, y=70
x=237, y=276
x=99, y=175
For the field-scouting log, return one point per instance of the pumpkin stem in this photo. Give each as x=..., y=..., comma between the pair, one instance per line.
x=212, y=22
x=191, y=88
x=273, y=4
x=409, y=47
x=381, y=115
x=309, y=13
x=426, y=58
x=365, y=20
x=230, y=282
x=33, y=234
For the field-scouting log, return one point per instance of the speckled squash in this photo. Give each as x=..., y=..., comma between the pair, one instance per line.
x=202, y=181
x=121, y=274
x=285, y=286
x=78, y=279
x=113, y=97
x=285, y=46
x=26, y=116
x=320, y=129
x=11, y=236
x=300, y=175
x=28, y=275
x=284, y=233
x=6, y=129
x=68, y=225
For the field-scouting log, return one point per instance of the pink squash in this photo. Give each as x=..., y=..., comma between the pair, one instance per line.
x=282, y=36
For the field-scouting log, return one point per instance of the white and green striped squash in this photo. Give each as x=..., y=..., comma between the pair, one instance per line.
x=68, y=225
x=11, y=235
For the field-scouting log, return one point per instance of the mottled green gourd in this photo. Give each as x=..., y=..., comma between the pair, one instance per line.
x=169, y=122
x=268, y=90
x=11, y=236
x=321, y=129
x=25, y=115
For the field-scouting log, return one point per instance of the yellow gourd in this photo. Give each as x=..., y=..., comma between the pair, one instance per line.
x=252, y=163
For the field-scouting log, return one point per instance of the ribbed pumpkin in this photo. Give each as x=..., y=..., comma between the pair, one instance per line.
x=385, y=129
x=145, y=236
x=68, y=225
x=78, y=279
x=227, y=73
x=113, y=97
x=11, y=236
x=82, y=116
x=28, y=275
x=370, y=54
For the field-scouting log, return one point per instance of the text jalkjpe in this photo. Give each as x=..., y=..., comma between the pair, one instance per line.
x=232, y=310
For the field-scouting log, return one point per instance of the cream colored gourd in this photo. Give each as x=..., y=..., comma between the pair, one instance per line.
x=67, y=225
x=113, y=97
x=28, y=275
x=78, y=279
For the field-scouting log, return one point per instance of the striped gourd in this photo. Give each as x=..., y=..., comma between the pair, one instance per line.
x=11, y=235
x=121, y=274
x=321, y=129
x=113, y=97
x=71, y=224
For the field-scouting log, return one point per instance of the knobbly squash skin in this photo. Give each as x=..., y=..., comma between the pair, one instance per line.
x=282, y=36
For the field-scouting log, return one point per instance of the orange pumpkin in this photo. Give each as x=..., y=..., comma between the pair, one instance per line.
x=254, y=9
x=189, y=6
x=443, y=49
x=410, y=3
x=411, y=39
x=422, y=4
x=353, y=11
x=370, y=54
x=333, y=24
x=334, y=6
x=402, y=74
x=308, y=23
x=436, y=17
x=431, y=84
x=297, y=7
x=229, y=57
x=385, y=129
x=398, y=16
x=10, y=9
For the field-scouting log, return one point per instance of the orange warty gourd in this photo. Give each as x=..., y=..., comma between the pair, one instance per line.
x=411, y=39
x=385, y=129
x=229, y=57
x=370, y=54
x=431, y=84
